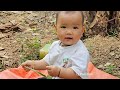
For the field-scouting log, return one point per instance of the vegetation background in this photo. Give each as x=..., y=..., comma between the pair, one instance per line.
x=24, y=33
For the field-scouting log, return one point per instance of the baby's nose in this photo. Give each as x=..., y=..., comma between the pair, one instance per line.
x=69, y=32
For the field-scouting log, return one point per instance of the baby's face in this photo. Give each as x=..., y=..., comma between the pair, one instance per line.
x=69, y=28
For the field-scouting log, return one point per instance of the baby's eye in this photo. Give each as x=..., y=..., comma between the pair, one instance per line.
x=75, y=27
x=63, y=27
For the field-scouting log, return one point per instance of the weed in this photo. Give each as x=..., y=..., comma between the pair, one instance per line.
x=113, y=32
x=110, y=69
x=29, y=48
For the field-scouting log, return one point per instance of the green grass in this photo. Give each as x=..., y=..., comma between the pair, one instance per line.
x=110, y=69
x=39, y=73
x=30, y=49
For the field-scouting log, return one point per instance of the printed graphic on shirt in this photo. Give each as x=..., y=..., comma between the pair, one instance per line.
x=65, y=61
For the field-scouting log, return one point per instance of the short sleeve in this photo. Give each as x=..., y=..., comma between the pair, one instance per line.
x=80, y=64
x=48, y=56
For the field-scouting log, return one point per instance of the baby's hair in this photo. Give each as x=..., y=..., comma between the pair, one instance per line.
x=67, y=12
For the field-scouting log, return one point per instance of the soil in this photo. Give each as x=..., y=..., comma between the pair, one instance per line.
x=104, y=51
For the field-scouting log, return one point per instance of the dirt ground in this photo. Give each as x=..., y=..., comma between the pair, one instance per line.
x=104, y=51
x=15, y=25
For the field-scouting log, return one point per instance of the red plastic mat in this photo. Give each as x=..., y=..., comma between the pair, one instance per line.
x=20, y=73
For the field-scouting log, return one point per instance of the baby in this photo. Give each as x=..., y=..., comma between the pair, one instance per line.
x=68, y=57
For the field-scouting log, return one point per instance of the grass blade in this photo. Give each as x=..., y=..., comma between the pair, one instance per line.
x=37, y=72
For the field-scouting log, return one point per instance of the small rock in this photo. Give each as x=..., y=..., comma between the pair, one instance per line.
x=34, y=14
x=117, y=57
x=6, y=63
x=35, y=34
x=112, y=53
x=2, y=36
x=30, y=17
x=101, y=66
x=2, y=53
x=2, y=27
x=118, y=72
x=4, y=56
x=29, y=12
x=107, y=64
x=17, y=12
x=22, y=28
x=1, y=48
x=13, y=22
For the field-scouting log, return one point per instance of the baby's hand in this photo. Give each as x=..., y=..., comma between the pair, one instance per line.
x=29, y=64
x=53, y=70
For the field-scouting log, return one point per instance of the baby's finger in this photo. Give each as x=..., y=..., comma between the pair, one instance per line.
x=24, y=64
x=48, y=67
x=26, y=68
x=49, y=71
x=27, y=63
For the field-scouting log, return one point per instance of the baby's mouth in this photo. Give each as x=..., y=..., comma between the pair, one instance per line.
x=69, y=38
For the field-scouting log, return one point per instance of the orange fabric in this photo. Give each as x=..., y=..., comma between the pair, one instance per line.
x=94, y=73
x=20, y=73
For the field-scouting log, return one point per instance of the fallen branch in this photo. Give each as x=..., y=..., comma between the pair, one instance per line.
x=95, y=21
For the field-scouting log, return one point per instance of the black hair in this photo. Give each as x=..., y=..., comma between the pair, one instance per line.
x=57, y=14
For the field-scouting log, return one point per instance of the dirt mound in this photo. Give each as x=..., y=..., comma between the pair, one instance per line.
x=105, y=51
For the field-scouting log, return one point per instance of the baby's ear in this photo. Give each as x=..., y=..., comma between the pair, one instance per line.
x=83, y=29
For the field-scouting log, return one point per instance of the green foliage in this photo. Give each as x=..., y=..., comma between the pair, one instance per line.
x=110, y=69
x=30, y=49
x=48, y=42
x=113, y=32
x=39, y=73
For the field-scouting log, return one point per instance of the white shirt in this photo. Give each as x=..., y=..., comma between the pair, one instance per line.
x=75, y=57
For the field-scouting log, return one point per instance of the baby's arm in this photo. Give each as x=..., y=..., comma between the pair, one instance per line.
x=40, y=64
x=66, y=73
